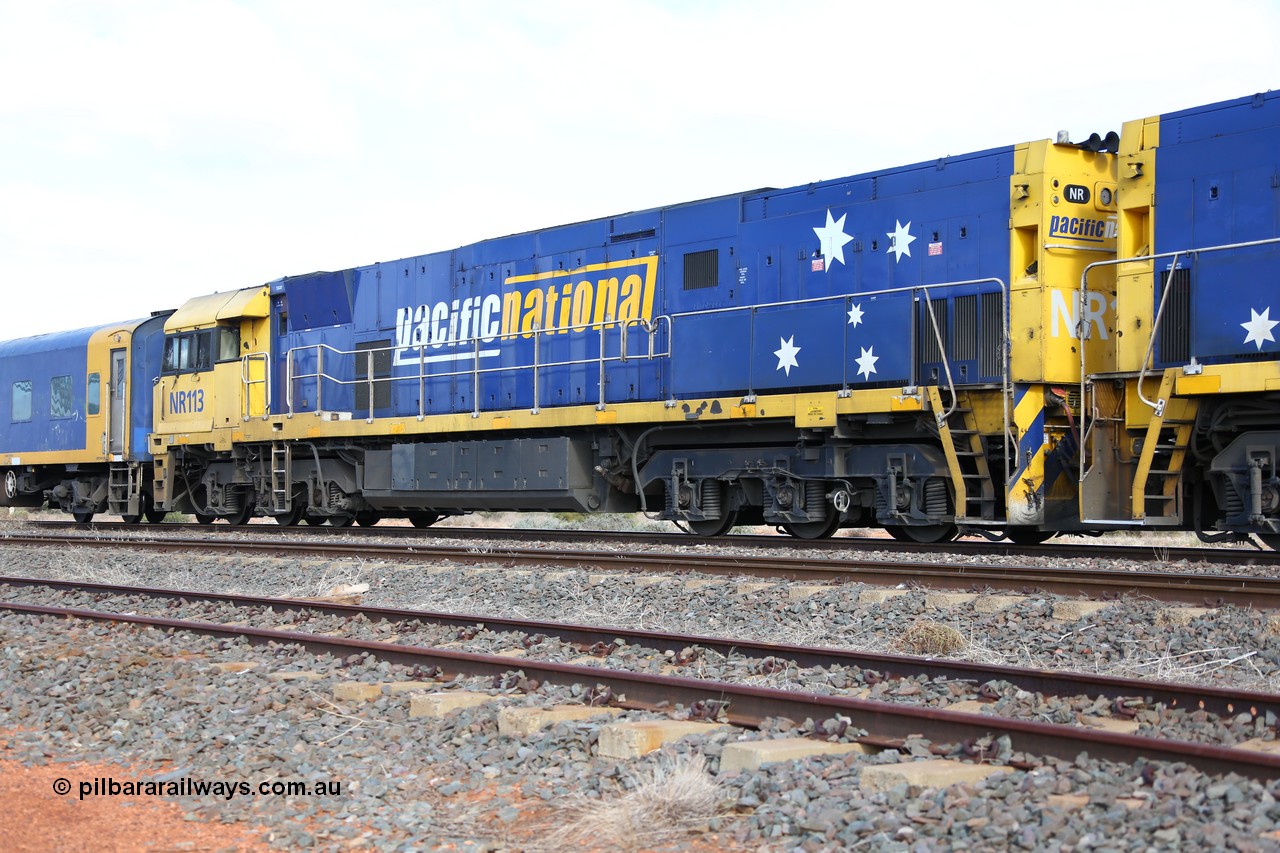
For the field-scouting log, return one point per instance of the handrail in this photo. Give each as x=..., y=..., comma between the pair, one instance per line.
x=946, y=365
x=248, y=382
x=537, y=397
x=1005, y=388
x=475, y=371
x=1082, y=329
x=652, y=329
x=368, y=375
x=1155, y=329
x=475, y=378
x=600, y=407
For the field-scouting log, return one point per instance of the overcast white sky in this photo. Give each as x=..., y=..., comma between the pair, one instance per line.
x=155, y=151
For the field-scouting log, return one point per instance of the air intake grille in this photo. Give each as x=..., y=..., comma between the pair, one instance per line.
x=929, y=350
x=633, y=235
x=965, y=346
x=701, y=269
x=990, y=354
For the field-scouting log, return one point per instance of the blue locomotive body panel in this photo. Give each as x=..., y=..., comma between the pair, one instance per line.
x=830, y=281
x=817, y=286
x=1217, y=182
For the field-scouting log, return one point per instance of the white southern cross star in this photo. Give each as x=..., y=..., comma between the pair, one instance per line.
x=867, y=362
x=787, y=354
x=855, y=315
x=832, y=238
x=900, y=240
x=1259, y=327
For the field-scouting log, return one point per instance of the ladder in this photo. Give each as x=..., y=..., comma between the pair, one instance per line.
x=124, y=489
x=1106, y=467
x=970, y=473
x=281, y=477
x=1169, y=435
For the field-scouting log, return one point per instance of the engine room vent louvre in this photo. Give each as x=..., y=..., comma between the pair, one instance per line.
x=633, y=235
x=381, y=370
x=1175, y=326
x=929, y=353
x=701, y=269
x=990, y=352
x=965, y=345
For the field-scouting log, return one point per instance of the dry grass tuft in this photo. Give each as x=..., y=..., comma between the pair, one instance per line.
x=930, y=638
x=675, y=800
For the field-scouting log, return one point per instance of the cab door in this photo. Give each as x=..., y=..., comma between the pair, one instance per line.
x=119, y=402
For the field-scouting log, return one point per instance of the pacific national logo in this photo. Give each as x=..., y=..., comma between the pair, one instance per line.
x=561, y=302
x=1083, y=228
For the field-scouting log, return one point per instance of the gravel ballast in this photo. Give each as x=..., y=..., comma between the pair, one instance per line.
x=93, y=693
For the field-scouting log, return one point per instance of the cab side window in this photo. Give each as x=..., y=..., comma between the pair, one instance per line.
x=228, y=343
x=170, y=362
x=188, y=352
x=204, y=350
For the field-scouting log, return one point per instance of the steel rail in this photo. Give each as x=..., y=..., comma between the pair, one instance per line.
x=890, y=667
x=747, y=705
x=1244, y=556
x=1199, y=589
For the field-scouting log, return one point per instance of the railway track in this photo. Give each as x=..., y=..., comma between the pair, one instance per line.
x=598, y=640
x=1201, y=589
x=1244, y=554
x=887, y=724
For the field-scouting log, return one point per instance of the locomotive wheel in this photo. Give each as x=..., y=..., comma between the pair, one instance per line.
x=1271, y=540
x=313, y=520
x=714, y=526
x=425, y=518
x=145, y=508
x=927, y=534
x=149, y=511
x=201, y=518
x=292, y=517
x=1027, y=535
x=814, y=529
x=83, y=517
x=342, y=520
x=367, y=519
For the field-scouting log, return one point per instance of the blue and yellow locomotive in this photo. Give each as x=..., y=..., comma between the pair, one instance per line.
x=1047, y=337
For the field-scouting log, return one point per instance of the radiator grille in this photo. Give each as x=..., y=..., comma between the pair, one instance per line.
x=1175, y=324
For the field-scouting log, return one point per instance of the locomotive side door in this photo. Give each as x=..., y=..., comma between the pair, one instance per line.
x=118, y=390
x=279, y=336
